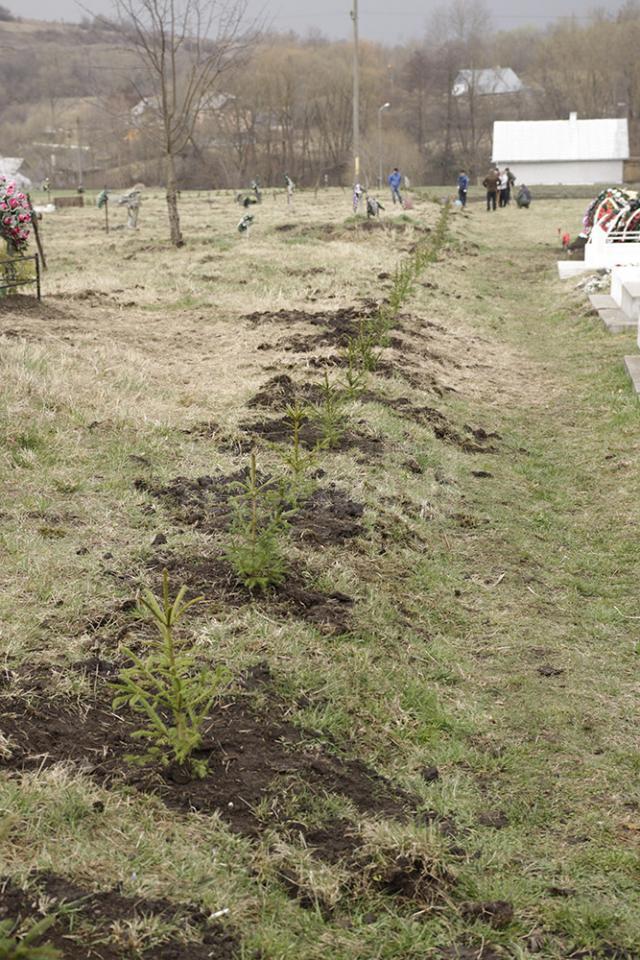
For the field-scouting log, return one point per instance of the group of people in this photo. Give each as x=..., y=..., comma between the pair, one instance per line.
x=498, y=184
x=373, y=205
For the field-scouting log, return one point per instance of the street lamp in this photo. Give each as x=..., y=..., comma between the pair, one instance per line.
x=385, y=106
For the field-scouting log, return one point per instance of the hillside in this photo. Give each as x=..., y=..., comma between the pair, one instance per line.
x=285, y=105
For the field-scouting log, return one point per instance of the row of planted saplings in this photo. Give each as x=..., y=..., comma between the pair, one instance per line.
x=167, y=685
x=263, y=510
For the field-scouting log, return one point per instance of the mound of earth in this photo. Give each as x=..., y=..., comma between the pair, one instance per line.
x=211, y=577
x=254, y=753
x=87, y=933
x=327, y=516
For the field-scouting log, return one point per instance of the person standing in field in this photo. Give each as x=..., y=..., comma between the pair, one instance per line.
x=394, y=181
x=491, y=183
x=511, y=180
x=503, y=185
x=290, y=185
x=463, y=186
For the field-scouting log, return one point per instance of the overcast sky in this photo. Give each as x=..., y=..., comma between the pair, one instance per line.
x=388, y=20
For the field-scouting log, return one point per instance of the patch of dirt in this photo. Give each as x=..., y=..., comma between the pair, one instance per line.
x=333, y=841
x=468, y=438
x=413, y=879
x=278, y=430
x=338, y=327
x=495, y=913
x=97, y=912
x=281, y=392
x=254, y=754
x=458, y=951
x=23, y=303
x=327, y=516
x=494, y=819
x=212, y=578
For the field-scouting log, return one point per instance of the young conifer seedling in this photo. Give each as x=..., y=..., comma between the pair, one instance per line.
x=356, y=376
x=330, y=414
x=169, y=688
x=297, y=460
x=261, y=517
x=15, y=946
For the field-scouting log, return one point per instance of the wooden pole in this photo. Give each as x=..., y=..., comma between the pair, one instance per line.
x=106, y=214
x=36, y=232
x=356, y=94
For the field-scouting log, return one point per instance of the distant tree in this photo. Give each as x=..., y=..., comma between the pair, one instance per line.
x=6, y=14
x=183, y=47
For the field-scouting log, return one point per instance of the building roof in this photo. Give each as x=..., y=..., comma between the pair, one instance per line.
x=496, y=80
x=522, y=141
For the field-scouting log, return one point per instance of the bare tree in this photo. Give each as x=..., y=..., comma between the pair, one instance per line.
x=183, y=47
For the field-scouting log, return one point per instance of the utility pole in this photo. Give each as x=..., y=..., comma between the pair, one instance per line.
x=79, y=148
x=356, y=95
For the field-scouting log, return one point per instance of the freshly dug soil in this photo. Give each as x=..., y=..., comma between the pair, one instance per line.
x=469, y=439
x=97, y=911
x=412, y=879
x=211, y=577
x=279, y=431
x=281, y=392
x=253, y=753
x=328, y=516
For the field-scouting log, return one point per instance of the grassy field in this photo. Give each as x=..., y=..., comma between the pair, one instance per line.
x=429, y=742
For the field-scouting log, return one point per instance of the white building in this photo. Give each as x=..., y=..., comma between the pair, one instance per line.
x=562, y=151
x=494, y=81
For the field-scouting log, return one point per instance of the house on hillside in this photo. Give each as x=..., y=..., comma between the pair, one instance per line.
x=496, y=81
x=562, y=151
x=211, y=105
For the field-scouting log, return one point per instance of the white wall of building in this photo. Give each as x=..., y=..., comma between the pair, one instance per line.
x=565, y=172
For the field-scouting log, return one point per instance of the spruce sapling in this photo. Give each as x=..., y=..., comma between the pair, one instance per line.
x=168, y=687
x=25, y=947
x=261, y=516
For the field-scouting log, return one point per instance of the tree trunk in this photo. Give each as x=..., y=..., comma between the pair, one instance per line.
x=172, y=202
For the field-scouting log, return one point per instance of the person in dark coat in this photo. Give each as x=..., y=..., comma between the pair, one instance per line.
x=463, y=186
x=511, y=180
x=491, y=184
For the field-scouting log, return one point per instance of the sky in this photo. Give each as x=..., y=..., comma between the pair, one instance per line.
x=385, y=20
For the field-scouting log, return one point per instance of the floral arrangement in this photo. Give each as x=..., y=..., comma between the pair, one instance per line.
x=15, y=214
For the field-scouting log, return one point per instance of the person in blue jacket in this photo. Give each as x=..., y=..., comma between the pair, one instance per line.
x=463, y=186
x=394, y=180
